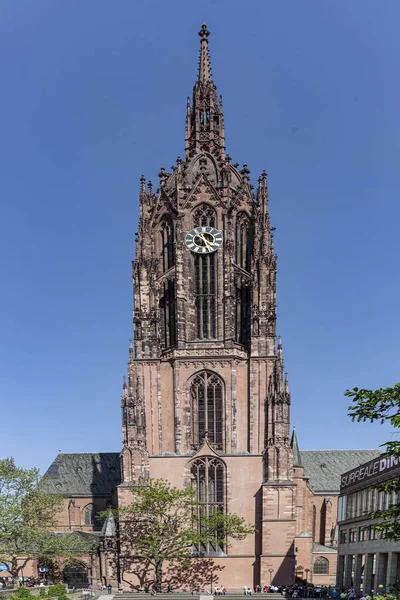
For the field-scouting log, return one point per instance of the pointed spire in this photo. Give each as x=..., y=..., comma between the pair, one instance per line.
x=296, y=450
x=109, y=528
x=205, y=131
x=143, y=184
x=204, y=61
x=286, y=384
x=280, y=346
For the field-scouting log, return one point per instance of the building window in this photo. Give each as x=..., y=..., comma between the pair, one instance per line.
x=242, y=321
x=352, y=535
x=343, y=537
x=167, y=246
x=321, y=566
x=90, y=513
x=362, y=534
x=205, y=280
x=208, y=477
x=207, y=402
x=242, y=246
x=342, y=505
x=168, y=313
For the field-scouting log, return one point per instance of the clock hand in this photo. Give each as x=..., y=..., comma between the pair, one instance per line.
x=201, y=236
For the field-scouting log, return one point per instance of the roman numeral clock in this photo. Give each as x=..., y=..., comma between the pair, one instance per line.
x=203, y=240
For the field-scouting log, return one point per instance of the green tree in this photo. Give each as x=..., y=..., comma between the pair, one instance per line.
x=161, y=525
x=381, y=405
x=28, y=518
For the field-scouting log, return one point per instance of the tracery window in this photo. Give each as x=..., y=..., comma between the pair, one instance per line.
x=208, y=477
x=89, y=515
x=242, y=246
x=321, y=566
x=168, y=313
x=207, y=403
x=205, y=281
x=242, y=320
x=167, y=246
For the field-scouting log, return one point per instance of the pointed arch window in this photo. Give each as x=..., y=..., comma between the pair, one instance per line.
x=242, y=246
x=209, y=479
x=167, y=245
x=243, y=302
x=207, y=404
x=90, y=513
x=321, y=566
x=168, y=313
x=205, y=281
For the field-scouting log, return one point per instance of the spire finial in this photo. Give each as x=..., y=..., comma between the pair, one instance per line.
x=204, y=62
x=204, y=33
x=286, y=385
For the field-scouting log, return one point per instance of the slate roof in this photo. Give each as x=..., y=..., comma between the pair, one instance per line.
x=84, y=474
x=98, y=474
x=324, y=467
x=320, y=549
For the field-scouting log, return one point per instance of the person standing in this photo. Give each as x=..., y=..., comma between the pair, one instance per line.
x=109, y=588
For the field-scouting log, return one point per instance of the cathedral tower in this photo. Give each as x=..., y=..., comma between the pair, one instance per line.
x=206, y=399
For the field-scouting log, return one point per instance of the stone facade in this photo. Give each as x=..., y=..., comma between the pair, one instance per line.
x=206, y=382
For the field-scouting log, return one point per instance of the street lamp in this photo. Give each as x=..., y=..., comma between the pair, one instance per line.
x=270, y=575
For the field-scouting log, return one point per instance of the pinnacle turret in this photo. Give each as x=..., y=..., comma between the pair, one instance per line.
x=296, y=450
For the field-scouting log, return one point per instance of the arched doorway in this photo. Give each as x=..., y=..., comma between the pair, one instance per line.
x=76, y=575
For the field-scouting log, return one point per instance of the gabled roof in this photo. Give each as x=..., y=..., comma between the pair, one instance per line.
x=84, y=474
x=320, y=549
x=324, y=467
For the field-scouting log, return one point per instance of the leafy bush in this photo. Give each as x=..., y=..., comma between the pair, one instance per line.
x=42, y=592
x=58, y=590
x=24, y=594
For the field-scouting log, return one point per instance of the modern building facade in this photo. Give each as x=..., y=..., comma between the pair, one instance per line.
x=366, y=560
x=206, y=401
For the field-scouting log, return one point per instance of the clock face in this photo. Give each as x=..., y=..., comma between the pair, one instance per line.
x=203, y=240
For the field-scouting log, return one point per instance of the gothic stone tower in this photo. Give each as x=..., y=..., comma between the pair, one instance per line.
x=206, y=402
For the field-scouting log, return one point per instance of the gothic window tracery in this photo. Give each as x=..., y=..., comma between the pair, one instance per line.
x=168, y=313
x=205, y=280
x=90, y=513
x=321, y=566
x=209, y=479
x=243, y=302
x=167, y=245
x=242, y=246
x=207, y=408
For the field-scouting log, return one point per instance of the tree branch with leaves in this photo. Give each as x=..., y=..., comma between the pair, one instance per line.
x=382, y=405
x=161, y=525
x=29, y=519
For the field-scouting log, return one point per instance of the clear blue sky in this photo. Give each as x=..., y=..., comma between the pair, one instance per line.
x=93, y=95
